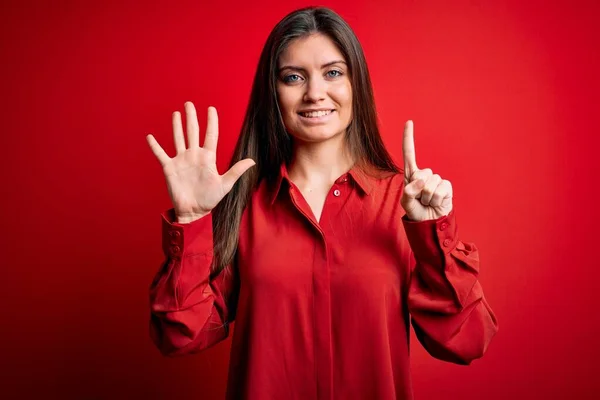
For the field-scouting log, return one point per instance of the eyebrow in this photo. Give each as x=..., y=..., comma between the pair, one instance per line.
x=296, y=68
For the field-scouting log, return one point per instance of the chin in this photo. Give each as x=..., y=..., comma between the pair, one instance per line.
x=316, y=135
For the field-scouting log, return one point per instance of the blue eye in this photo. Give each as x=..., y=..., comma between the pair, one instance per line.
x=334, y=73
x=291, y=78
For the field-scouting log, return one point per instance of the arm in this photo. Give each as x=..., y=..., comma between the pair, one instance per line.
x=190, y=310
x=450, y=315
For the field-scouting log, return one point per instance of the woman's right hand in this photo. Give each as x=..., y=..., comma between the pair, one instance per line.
x=194, y=184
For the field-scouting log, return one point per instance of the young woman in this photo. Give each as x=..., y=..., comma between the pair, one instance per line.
x=314, y=242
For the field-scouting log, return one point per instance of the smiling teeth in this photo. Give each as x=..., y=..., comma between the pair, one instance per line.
x=315, y=114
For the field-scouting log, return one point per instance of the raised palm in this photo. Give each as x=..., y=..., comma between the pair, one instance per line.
x=193, y=182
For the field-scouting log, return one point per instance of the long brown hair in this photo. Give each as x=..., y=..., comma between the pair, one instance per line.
x=263, y=136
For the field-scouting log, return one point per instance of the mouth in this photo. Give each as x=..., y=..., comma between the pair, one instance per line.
x=316, y=114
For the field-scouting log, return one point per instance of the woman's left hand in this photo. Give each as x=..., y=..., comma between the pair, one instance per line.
x=426, y=195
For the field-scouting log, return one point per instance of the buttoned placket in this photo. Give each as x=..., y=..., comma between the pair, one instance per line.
x=336, y=197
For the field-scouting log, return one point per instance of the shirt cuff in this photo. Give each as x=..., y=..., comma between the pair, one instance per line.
x=192, y=238
x=428, y=238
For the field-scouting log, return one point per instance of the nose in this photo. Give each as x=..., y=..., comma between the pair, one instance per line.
x=315, y=89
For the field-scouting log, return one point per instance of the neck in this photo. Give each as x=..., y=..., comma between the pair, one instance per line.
x=319, y=164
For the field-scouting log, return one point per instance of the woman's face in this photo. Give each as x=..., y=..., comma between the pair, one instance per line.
x=313, y=88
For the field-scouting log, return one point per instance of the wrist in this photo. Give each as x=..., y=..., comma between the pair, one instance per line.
x=188, y=218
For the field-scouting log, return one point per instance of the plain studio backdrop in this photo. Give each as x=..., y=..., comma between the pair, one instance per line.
x=504, y=96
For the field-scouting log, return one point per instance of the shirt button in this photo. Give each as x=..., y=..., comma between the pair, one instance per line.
x=336, y=192
x=175, y=234
x=443, y=226
x=447, y=242
x=175, y=249
x=342, y=179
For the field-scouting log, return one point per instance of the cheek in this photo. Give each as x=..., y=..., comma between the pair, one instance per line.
x=342, y=94
x=285, y=102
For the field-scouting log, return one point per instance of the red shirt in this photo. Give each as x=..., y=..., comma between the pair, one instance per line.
x=322, y=308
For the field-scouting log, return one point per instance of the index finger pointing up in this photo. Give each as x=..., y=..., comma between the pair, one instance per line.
x=408, y=150
x=212, y=130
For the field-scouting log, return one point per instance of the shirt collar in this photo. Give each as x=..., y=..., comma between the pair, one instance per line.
x=358, y=175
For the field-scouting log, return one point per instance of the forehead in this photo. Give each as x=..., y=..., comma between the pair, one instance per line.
x=317, y=49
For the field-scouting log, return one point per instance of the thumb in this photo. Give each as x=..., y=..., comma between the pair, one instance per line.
x=235, y=172
x=413, y=189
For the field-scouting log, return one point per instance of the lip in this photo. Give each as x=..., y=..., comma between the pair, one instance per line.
x=316, y=120
x=316, y=109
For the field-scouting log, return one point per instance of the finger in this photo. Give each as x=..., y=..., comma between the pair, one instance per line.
x=429, y=189
x=422, y=174
x=442, y=193
x=178, y=132
x=230, y=177
x=212, y=130
x=408, y=150
x=191, y=124
x=161, y=155
x=413, y=189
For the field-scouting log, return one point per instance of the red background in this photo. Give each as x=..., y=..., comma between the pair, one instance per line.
x=505, y=102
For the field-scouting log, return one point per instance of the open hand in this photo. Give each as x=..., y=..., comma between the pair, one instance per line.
x=194, y=184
